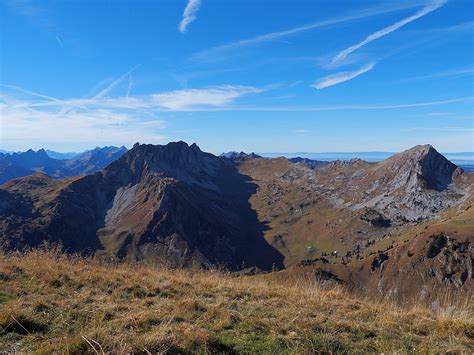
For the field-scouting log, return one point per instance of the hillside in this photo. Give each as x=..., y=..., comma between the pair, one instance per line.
x=375, y=227
x=50, y=302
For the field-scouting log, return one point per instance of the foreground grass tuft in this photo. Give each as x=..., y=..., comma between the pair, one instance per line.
x=51, y=302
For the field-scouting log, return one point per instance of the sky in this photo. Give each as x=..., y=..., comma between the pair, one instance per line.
x=251, y=75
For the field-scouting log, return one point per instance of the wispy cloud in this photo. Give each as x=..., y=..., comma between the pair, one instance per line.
x=443, y=74
x=30, y=118
x=177, y=100
x=28, y=128
x=354, y=107
x=189, y=14
x=216, y=96
x=301, y=131
x=35, y=11
x=341, y=77
x=214, y=52
x=433, y=5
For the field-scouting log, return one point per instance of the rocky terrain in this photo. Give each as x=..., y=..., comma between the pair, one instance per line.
x=402, y=227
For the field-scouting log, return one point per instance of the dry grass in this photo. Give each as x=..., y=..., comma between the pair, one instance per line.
x=50, y=302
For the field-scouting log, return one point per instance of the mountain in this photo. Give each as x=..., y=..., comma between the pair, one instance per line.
x=370, y=225
x=236, y=155
x=26, y=163
x=21, y=164
x=168, y=204
x=93, y=160
x=350, y=222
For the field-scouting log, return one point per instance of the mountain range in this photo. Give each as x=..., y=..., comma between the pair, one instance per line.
x=402, y=227
x=14, y=165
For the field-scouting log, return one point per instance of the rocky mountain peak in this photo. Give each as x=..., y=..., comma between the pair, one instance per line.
x=177, y=160
x=425, y=164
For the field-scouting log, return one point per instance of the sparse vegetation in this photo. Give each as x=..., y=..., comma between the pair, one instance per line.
x=50, y=302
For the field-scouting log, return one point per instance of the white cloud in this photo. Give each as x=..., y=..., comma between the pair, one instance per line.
x=341, y=77
x=189, y=14
x=30, y=119
x=433, y=5
x=216, y=96
x=24, y=129
x=214, y=52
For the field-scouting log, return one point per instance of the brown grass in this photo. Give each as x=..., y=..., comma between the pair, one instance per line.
x=50, y=302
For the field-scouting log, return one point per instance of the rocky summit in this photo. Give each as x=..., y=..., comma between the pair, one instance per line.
x=177, y=205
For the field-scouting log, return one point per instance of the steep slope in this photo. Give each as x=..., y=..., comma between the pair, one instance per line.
x=172, y=204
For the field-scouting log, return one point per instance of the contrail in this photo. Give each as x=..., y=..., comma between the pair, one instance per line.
x=59, y=41
x=434, y=5
x=114, y=83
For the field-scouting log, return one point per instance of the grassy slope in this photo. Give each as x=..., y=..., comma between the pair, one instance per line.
x=50, y=302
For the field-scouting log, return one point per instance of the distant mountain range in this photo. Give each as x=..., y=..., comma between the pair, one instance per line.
x=15, y=165
x=400, y=227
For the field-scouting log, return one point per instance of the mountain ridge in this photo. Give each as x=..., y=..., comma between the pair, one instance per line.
x=177, y=205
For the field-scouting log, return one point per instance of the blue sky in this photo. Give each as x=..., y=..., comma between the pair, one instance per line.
x=252, y=75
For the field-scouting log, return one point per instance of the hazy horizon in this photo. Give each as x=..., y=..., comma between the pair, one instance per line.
x=263, y=153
